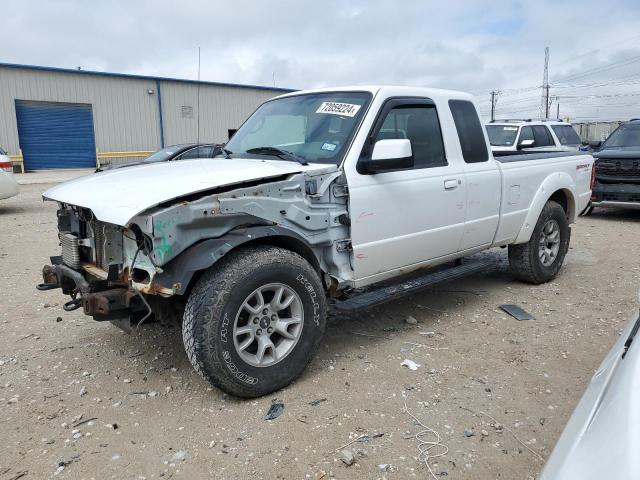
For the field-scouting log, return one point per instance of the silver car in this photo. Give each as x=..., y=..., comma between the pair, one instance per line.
x=602, y=438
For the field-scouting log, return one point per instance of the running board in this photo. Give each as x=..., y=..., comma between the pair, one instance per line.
x=393, y=292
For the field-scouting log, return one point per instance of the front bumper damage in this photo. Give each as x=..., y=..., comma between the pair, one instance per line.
x=104, y=300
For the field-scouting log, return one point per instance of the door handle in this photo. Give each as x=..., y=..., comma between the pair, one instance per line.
x=451, y=184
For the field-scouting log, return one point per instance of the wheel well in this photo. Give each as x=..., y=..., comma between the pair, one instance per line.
x=283, y=241
x=565, y=201
x=288, y=243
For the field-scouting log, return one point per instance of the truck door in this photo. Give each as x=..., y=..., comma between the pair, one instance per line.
x=484, y=182
x=405, y=216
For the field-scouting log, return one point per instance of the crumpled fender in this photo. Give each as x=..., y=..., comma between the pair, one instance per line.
x=554, y=182
x=177, y=274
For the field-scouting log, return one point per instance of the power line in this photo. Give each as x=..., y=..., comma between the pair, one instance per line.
x=602, y=68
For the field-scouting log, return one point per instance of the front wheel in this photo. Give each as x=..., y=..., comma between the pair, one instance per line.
x=539, y=260
x=254, y=320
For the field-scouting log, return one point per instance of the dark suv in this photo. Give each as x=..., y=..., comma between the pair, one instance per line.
x=618, y=168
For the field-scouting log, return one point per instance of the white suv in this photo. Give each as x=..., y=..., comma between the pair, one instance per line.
x=508, y=136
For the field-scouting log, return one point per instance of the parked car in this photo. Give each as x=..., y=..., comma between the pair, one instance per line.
x=182, y=151
x=601, y=438
x=8, y=185
x=319, y=194
x=617, y=182
x=521, y=136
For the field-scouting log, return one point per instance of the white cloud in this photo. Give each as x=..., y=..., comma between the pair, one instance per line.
x=471, y=45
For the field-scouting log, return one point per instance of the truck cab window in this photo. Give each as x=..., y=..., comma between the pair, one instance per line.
x=469, y=128
x=566, y=135
x=419, y=124
x=542, y=136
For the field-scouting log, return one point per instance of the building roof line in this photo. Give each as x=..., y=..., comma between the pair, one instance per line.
x=141, y=77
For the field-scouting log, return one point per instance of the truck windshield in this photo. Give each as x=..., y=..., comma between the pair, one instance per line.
x=502, y=135
x=626, y=135
x=566, y=134
x=315, y=127
x=162, y=155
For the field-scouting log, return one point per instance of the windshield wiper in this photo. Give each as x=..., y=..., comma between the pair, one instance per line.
x=284, y=154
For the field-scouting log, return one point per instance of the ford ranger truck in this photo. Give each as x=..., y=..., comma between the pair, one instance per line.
x=317, y=198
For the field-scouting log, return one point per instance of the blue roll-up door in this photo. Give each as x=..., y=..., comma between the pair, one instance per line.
x=56, y=135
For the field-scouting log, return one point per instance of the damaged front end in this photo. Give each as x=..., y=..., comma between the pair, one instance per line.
x=126, y=274
x=92, y=268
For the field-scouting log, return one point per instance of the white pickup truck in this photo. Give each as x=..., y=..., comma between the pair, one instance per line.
x=318, y=195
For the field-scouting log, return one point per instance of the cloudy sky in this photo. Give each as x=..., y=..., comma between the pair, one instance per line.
x=475, y=46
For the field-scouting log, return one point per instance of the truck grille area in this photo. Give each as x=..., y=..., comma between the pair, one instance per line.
x=92, y=242
x=107, y=244
x=99, y=240
x=626, y=168
x=70, y=250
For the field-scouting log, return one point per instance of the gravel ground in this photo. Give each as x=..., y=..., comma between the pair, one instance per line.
x=147, y=415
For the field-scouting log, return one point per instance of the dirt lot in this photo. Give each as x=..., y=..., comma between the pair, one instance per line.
x=153, y=417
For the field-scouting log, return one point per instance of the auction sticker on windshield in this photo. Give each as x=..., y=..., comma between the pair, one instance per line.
x=334, y=108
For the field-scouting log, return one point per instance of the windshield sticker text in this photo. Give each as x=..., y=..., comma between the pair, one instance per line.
x=329, y=146
x=334, y=108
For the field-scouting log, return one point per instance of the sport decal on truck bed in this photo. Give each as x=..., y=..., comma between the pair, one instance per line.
x=334, y=108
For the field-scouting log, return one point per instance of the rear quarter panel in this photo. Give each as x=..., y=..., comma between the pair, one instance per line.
x=528, y=185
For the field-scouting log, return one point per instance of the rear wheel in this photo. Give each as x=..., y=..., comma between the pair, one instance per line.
x=254, y=320
x=539, y=260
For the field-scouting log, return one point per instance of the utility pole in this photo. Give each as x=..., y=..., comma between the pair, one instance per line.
x=558, y=108
x=494, y=100
x=544, y=107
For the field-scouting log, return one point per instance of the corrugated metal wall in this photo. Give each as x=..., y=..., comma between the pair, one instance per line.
x=595, y=131
x=221, y=109
x=125, y=115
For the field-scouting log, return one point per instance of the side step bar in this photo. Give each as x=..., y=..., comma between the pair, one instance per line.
x=393, y=292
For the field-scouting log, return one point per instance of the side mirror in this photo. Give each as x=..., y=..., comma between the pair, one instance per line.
x=526, y=144
x=390, y=154
x=595, y=144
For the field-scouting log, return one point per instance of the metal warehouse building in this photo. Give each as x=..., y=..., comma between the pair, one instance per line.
x=62, y=118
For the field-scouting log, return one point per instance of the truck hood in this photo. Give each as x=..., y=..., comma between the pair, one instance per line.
x=618, y=153
x=116, y=196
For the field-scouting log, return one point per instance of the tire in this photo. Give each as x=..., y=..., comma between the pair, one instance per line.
x=220, y=307
x=527, y=262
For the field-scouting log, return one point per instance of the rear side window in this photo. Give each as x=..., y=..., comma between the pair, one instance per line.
x=542, y=136
x=470, y=133
x=566, y=135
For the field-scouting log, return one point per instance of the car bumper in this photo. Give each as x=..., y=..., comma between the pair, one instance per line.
x=98, y=298
x=620, y=195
